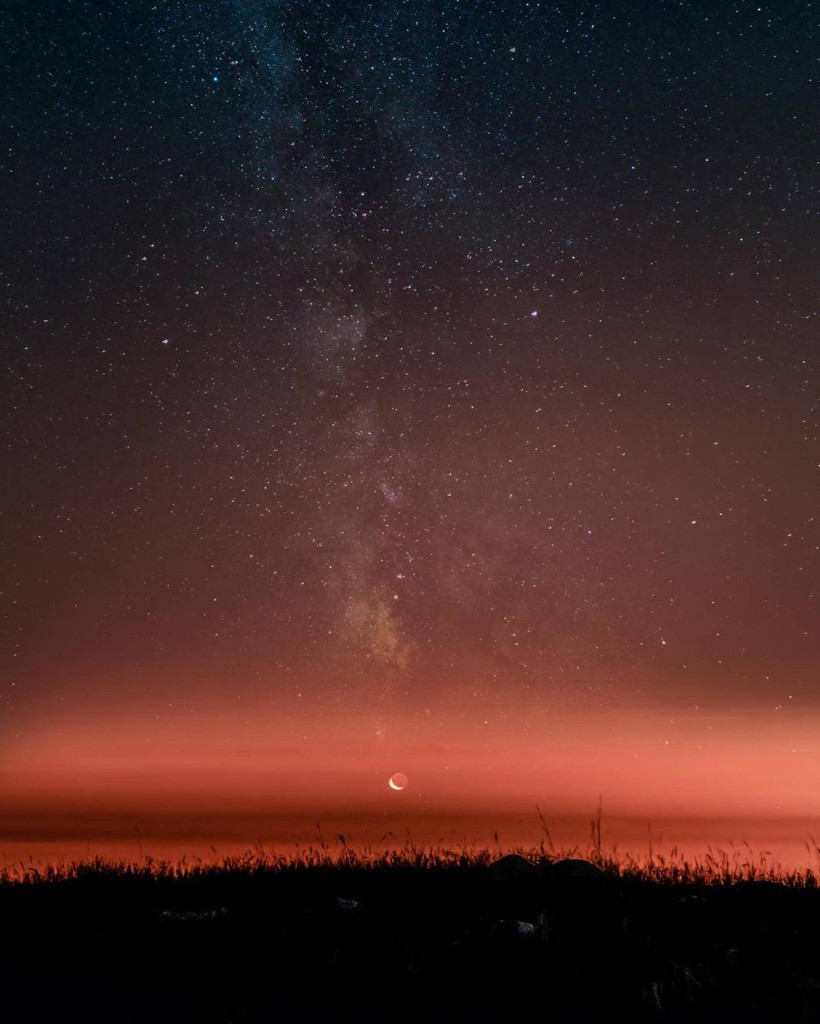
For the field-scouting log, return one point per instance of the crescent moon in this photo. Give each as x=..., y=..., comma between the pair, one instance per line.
x=398, y=781
x=393, y=785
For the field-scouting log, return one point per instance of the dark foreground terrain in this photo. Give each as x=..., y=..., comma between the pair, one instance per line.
x=410, y=936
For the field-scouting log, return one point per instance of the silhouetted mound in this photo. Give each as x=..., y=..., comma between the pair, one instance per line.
x=406, y=938
x=572, y=869
x=514, y=866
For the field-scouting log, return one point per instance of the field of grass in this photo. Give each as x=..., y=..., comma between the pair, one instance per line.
x=716, y=867
x=414, y=933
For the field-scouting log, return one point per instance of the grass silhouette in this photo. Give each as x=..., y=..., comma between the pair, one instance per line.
x=414, y=932
x=713, y=867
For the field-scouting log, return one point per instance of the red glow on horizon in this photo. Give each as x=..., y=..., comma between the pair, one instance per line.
x=642, y=763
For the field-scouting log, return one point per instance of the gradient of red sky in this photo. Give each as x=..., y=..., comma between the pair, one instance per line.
x=642, y=763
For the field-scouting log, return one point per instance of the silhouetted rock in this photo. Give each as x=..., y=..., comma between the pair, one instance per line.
x=514, y=867
x=584, y=906
x=575, y=868
x=514, y=890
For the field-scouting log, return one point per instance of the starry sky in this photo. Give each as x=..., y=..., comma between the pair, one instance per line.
x=406, y=384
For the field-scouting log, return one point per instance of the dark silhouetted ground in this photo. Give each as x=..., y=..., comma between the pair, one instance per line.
x=410, y=936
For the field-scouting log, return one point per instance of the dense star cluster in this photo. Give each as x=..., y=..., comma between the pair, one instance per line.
x=459, y=358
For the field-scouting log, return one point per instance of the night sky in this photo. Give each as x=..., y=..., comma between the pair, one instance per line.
x=411, y=386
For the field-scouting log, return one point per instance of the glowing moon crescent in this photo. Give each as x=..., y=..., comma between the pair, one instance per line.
x=397, y=781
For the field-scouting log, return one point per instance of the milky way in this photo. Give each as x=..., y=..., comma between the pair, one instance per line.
x=451, y=361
